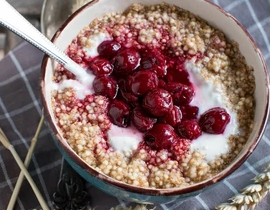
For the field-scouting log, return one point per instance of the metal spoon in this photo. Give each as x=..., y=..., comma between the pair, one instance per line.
x=14, y=21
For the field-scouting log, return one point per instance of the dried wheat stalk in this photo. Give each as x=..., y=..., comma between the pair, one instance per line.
x=251, y=195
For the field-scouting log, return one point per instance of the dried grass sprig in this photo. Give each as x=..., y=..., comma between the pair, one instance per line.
x=251, y=195
x=6, y=143
x=27, y=160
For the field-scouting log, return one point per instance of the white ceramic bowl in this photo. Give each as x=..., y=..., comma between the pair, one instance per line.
x=217, y=17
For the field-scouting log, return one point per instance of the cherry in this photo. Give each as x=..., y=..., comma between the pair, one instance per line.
x=189, y=129
x=160, y=136
x=179, y=148
x=101, y=67
x=141, y=120
x=189, y=112
x=108, y=48
x=141, y=82
x=214, y=120
x=105, y=86
x=126, y=61
x=119, y=113
x=173, y=117
x=179, y=75
x=174, y=87
x=161, y=83
x=184, y=96
x=158, y=102
x=130, y=98
x=126, y=95
x=155, y=61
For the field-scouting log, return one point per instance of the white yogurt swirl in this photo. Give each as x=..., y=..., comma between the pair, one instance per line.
x=207, y=96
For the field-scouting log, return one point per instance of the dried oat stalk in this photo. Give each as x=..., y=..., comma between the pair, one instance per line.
x=251, y=195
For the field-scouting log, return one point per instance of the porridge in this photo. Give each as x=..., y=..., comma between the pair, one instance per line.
x=171, y=102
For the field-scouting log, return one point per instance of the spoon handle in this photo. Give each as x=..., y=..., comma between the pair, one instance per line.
x=14, y=21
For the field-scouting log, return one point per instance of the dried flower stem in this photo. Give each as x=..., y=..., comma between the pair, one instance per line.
x=251, y=195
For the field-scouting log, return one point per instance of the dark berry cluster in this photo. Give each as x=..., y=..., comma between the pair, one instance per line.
x=152, y=92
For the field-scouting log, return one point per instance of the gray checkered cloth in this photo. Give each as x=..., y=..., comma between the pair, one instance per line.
x=20, y=111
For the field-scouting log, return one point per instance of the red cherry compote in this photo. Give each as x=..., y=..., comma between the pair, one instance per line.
x=150, y=90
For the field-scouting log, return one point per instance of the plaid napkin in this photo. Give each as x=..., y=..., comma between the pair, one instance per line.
x=20, y=111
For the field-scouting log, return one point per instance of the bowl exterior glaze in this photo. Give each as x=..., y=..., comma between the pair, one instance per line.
x=217, y=18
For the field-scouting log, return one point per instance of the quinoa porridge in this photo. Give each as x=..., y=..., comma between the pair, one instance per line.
x=171, y=103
